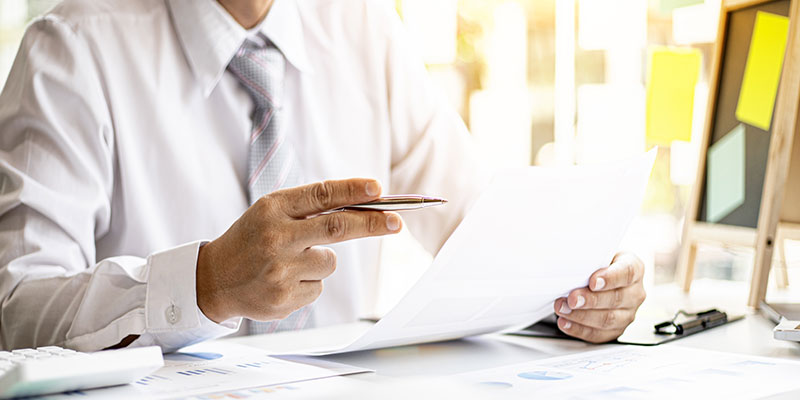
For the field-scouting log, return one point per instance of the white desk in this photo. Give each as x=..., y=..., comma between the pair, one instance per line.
x=752, y=336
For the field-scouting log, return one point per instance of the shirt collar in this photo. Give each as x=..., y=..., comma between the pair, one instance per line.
x=210, y=36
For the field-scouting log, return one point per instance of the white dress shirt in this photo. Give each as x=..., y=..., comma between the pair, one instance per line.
x=124, y=142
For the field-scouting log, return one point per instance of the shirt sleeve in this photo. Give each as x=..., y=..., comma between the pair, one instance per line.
x=56, y=184
x=432, y=151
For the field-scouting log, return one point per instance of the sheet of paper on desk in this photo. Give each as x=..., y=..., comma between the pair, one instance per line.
x=532, y=236
x=218, y=366
x=622, y=372
x=328, y=388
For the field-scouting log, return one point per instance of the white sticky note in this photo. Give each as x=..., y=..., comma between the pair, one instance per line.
x=696, y=24
x=725, y=189
x=611, y=123
x=605, y=24
x=501, y=124
x=683, y=162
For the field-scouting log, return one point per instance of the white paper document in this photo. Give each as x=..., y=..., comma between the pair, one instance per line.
x=214, y=367
x=328, y=388
x=532, y=236
x=637, y=372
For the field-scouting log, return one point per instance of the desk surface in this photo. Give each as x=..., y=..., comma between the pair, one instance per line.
x=752, y=335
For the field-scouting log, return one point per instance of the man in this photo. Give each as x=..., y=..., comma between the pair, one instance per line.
x=132, y=132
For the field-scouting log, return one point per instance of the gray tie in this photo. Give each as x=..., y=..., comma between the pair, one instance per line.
x=271, y=165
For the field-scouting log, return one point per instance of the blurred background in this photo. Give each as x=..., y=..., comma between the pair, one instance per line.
x=558, y=82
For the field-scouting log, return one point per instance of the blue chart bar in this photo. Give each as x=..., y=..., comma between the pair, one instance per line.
x=253, y=365
x=197, y=372
x=544, y=375
x=149, y=378
x=218, y=371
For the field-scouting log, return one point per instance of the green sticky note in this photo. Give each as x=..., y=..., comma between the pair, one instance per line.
x=762, y=73
x=669, y=5
x=725, y=190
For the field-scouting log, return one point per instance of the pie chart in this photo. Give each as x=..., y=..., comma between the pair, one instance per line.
x=545, y=375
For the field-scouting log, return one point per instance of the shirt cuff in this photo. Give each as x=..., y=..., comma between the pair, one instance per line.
x=172, y=316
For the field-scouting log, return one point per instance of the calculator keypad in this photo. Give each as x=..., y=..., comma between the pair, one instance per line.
x=8, y=359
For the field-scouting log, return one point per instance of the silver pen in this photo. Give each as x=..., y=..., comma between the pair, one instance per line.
x=403, y=202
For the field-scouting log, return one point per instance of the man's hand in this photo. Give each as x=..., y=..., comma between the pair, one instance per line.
x=268, y=264
x=602, y=311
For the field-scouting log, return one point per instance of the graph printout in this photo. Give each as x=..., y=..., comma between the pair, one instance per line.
x=662, y=372
x=217, y=367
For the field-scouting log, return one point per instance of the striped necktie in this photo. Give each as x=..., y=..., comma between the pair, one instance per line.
x=259, y=66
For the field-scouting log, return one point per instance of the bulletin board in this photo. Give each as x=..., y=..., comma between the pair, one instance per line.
x=730, y=138
x=748, y=179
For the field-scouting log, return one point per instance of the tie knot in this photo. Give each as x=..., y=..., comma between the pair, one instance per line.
x=259, y=66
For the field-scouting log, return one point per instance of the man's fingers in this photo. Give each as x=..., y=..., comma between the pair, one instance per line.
x=624, y=271
x=586, y=333
x=601, y=312
x=607, y=319
x=583, y=298
x=319, y=197
x=315, y=263
x=346, y=225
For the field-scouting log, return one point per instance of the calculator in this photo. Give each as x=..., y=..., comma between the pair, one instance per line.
x=48, y=370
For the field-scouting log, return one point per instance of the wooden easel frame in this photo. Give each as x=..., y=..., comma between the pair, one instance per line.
x=784, y=127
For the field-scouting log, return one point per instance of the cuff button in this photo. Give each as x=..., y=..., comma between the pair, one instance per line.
x=173, y=314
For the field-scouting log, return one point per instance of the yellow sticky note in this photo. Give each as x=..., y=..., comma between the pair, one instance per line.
x=762, y=73
x=672, y=77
